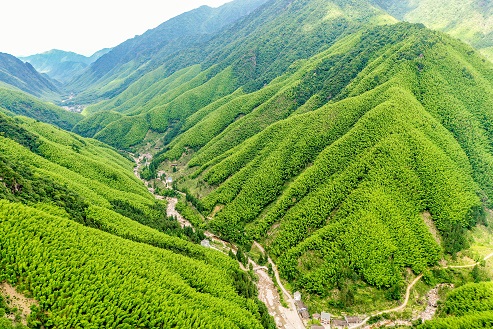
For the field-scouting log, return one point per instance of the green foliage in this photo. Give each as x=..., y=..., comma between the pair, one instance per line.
x=345, y=153
x=20, y=103
x=93, y=279
x=10, y=128
x=468, y=21
x=470, y=298
x=190, y=213
x=106, y=271
x=124, y=132
x=472, y=321
x=469, y=306
x=91, y=125
x=116, y=224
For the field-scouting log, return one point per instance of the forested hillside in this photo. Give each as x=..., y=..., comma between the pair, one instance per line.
x=325, y=134
x=241, y=59
x=358, y=150
x=18, y=103
x=468, y=20
x=24, y=77
x=467, y=307
x=129, y=61
x=369, y=136
x=84, y=238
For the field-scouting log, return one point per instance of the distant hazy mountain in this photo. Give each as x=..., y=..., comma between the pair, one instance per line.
x=137, y=56
x=470, y=20
x=24, y=76
x=61, y=65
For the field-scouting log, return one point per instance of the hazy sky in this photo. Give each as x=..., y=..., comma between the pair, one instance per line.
x=84, y=26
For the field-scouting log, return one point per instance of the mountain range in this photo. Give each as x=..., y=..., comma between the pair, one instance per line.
x=356, y=148
x=60, y=65
x=22, y=76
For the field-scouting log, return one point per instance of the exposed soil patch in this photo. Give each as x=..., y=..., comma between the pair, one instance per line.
x=17, y=300
x=432, y=298
x=431, y=226
x=172, y=212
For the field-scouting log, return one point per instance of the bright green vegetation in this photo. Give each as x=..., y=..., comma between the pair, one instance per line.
x=170, y=102
x=329, y=153
x=7, y=324
x=82, y=235
x=333, y=164
x=89, y=278
x=468, y=20
x=358, y=153
x=19, y=103
x=469, y=306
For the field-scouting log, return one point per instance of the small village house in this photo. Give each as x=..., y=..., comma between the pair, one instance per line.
x=325, y=318
x=302, y=309
x=338, y=324
x=297, y=296
x=352, y=320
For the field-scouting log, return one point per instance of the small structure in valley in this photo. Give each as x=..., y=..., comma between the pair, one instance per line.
x=325, y=317
x=297, y=296
x=302, y=309
x=205, y=243
x=169, y=182
x=352, y=320
x=338, y=324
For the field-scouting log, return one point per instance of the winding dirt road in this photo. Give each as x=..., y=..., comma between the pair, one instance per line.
x=286, y=318
x=470, y=265
x=291, y=314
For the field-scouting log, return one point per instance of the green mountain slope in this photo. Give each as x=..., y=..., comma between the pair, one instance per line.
x=61, y=65
x=24, y=77
x=333, y=164
x=19, y=103
x=129, y=61
x=76, y=235
x=470, y=20
x=469, y=306
x=247, y=56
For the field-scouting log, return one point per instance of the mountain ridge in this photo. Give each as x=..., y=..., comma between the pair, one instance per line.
x=61, y=65
x=24, y=76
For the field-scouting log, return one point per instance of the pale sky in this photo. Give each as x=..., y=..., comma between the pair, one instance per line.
x=29, y=27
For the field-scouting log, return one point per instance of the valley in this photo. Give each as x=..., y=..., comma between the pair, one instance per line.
x=261, y=164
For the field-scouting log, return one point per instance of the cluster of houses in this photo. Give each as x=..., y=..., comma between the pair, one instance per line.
x=326, y=319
